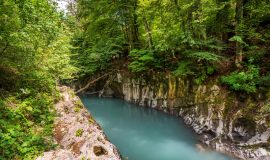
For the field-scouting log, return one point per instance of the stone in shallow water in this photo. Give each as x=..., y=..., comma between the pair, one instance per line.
x=99, y=150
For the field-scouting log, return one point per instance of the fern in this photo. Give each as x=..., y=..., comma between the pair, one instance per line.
x=243, y=81
x=183, y=69
x=206, y=56
x=238, y=39
x=142, y=60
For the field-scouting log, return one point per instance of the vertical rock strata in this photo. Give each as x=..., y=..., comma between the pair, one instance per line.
x=228, y=122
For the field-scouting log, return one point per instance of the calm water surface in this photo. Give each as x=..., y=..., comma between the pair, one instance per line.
x=146, y=134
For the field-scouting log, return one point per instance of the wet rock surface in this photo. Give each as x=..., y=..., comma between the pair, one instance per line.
x=77, y=133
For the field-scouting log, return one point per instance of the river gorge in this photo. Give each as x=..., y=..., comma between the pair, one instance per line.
x=145, y=134
x=224, y=121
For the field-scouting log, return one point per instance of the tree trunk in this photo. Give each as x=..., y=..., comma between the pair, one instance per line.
x=135, y=26
x=131, y=23
x=222, y=20
x=91, y=82
x=239, y=20
x=149, y=34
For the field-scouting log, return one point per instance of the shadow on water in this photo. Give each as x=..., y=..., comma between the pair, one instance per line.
x=142, y=133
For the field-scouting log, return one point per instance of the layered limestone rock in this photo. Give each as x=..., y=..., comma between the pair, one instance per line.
x=230, y=123
x=78, y=135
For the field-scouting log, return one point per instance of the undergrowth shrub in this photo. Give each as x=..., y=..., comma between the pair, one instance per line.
x=246, y=81
x=142, y=60
x=26, y=125
x=198, y=65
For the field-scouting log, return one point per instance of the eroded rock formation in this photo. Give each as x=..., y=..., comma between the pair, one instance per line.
x=77, y=134
x=228, y=122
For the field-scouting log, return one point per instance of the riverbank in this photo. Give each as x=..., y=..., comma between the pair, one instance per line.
x=77, y=134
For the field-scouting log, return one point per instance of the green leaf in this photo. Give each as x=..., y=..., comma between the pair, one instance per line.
x=237, y=39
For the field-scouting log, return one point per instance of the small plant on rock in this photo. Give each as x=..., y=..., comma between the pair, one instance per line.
x=79, y=132
x=77, y=109
x=91, y=120
x=78, y=104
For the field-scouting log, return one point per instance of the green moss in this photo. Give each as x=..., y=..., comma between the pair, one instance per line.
x=252, y=110
x=266, y=108
x=57, y=96
x=91, y=120
x=78, y=104
x=77, y=109
x=79, y=132
x=228, y=106
x=72, y=94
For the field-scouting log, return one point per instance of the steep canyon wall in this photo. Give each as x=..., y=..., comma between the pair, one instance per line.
x=228, y=122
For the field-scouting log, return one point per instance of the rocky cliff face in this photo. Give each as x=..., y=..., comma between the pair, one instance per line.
x=228, y=122
x=77, y=134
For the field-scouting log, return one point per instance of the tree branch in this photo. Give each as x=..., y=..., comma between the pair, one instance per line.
x=4, y=49
x=106, y=84
x=90, y=82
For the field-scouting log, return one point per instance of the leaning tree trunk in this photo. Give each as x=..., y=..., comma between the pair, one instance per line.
x=91, y=82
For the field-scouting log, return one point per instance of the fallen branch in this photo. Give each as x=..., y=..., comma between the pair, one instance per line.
x=90, y=82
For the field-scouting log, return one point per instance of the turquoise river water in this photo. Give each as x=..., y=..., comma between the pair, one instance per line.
x=142, y=133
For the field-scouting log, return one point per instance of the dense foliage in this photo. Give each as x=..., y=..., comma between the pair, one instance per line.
x=35, y=56
x=243, y=80
x=41, y=47
x=195, y=38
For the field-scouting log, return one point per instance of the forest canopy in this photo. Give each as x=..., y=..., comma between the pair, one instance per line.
x=195, y=38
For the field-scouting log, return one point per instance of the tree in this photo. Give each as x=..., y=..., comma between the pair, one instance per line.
x=239, y=23
x=35, y=57
x=169, y=31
